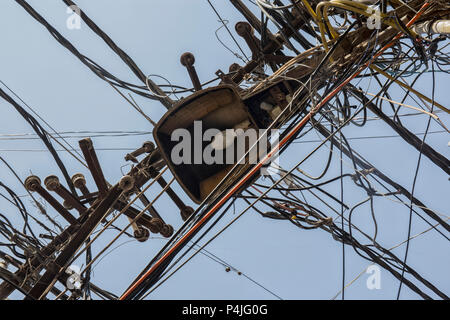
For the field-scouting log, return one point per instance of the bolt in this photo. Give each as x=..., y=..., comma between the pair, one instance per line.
x=234, y=68
x=78, y=180
x=167, y=230
x=186, y=213
x=141, y=234
x=126, y=183
x=32, y=182
x=243, y=29
x=156, y=225
x=67, y=205
x=187, y=59
x=147, y=147
x=51, y=183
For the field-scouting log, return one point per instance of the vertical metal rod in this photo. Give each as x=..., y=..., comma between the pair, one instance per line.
x=187, y=59
x=94, y=166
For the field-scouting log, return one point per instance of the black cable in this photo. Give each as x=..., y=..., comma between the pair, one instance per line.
x=226, y=27
x=313, y=186
x=414, y=185
x=43, y=134
x=342, y=216
x=93, y=66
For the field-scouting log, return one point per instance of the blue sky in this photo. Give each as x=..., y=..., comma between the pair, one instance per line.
x=293, y=263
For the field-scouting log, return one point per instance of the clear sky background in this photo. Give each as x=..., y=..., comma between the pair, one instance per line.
x=293, y=263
